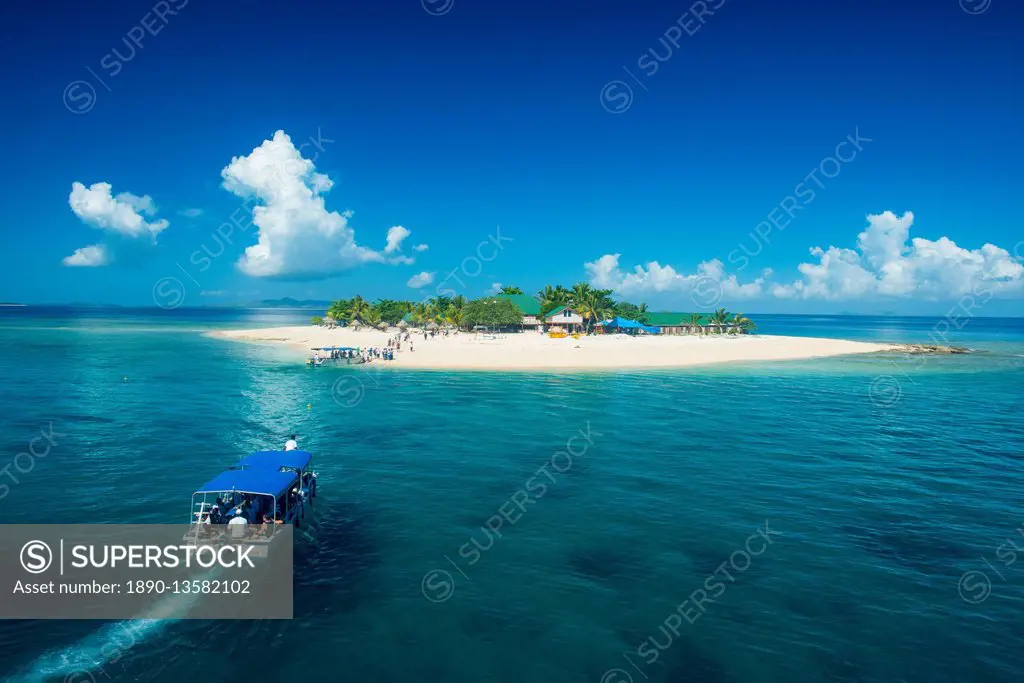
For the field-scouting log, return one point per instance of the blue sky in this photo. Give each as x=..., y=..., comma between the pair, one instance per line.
x=452, y=117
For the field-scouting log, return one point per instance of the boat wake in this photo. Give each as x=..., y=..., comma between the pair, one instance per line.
x=95, y=657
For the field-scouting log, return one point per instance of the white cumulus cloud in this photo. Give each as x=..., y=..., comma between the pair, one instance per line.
x=653, y=277
x=125, y=217
x=297, y=236
x=495, y=288
x=123, y=214
x=91, y=256
x=420, y=280
x=886, y=263
x=395, y=237
x=420, y=247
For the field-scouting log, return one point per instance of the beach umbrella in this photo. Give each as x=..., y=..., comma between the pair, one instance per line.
x=431, y=325
x=402, y=324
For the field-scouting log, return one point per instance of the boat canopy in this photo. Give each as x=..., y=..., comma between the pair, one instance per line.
x=259, y=481
x=274, y=460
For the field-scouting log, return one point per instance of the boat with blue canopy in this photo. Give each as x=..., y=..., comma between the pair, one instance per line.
x=299, y=462
x=246, y=504
x=339, y=354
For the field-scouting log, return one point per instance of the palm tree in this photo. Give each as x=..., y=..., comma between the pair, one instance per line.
x=602, y=307
x=592, y=304
x=419, y=314
x=719, y=318
x=551, y=298
x=581, y=299
x=742, y=323
x=440, y=303
x=338, y=310
x=510, y=290
x=580, y=292
x=455, y=316
x=695, y=323
x=641, y=314
x=586, y=307
x=358, y=309
x=435, y=313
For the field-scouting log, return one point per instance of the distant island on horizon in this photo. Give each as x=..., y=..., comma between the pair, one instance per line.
x=286, y=302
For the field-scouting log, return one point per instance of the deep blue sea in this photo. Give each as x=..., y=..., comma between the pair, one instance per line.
x=848, y=519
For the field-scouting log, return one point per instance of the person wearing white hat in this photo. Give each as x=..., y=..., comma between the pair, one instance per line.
x=239, y=525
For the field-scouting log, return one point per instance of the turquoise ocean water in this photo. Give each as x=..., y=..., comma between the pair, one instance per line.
x=889, y=487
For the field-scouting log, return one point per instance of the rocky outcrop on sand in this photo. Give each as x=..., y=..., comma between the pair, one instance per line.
x=917, y=349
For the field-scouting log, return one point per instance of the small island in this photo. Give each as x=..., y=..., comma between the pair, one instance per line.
x=559, y=328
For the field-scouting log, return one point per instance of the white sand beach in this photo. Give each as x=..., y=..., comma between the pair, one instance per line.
x=534, y=351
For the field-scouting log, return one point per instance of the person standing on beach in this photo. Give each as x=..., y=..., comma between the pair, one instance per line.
x=291, y=444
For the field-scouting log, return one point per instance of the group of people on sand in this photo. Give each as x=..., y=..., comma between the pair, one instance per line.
x=430, y=334
x=388, y=351
x=379, y=353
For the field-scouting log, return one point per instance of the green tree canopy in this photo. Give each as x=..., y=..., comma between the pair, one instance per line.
x=743, y=323
x=391, y=311
x=631, y=311
x=551, y=298
x=491, y=312
x=593, y=304
x=338, y=310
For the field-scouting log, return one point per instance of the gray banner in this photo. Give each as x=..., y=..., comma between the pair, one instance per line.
x=145, y=571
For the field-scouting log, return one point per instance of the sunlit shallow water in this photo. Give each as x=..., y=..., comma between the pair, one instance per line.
x=883, y=479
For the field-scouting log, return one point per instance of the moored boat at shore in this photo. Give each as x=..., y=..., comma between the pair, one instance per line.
x=338, y=355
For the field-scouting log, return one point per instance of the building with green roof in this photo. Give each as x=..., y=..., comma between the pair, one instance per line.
x=565, y=318
x=527, y=305
x=674, y=323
